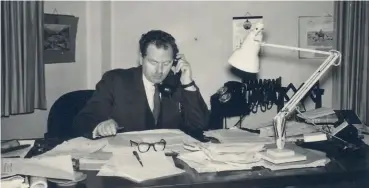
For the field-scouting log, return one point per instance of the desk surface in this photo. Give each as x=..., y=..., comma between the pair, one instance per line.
x=347, y=170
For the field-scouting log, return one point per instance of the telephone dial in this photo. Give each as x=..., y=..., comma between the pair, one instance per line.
x=230, y=99
x=171, y=82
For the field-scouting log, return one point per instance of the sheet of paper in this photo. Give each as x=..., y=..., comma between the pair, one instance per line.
x=173, y=138
x=201, y=162
x=59, y=167
x=237, y=136
x=77, y=147
x=94, y=161
x=315, y=113
x=293, y=128
x=14, y=182
x=22, y=152
x=124, y=164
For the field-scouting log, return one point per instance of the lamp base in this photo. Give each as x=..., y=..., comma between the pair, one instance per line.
x=278, y=156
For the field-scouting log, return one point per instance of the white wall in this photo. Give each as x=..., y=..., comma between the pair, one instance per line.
x=211, y=24
x=108, y=34
x=60, y=78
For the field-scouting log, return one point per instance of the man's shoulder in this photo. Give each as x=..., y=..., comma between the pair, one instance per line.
x=122, y=73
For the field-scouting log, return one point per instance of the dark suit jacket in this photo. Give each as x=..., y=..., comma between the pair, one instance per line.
x=120, y=95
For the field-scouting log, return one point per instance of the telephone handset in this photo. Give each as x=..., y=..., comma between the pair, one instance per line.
x=171, y=82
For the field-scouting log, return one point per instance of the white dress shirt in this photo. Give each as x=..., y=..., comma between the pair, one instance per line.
x=150, y=91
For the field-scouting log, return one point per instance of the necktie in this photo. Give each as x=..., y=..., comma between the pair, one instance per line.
x=156, y=110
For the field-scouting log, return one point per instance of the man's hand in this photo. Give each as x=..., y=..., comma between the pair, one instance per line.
x=185, y=67
x=107, y=128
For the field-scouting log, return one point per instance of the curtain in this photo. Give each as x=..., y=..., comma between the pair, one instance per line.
x=350, y=79
x=22, y=67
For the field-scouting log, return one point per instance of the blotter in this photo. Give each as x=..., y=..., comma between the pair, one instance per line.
x=155, y=166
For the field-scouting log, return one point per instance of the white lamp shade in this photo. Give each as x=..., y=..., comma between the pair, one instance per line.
x=245, y=61
x=246, y=58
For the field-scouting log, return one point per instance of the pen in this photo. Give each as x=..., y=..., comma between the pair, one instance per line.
x=137, y=157
x=11, y=157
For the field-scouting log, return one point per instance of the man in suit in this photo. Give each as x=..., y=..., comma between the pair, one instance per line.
x=130, y=98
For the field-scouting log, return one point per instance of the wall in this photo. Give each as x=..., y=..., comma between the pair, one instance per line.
x=108, y=33
x=60, y=78
x=204, y=34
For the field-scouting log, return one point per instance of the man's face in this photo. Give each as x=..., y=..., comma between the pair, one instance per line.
x=157, y=63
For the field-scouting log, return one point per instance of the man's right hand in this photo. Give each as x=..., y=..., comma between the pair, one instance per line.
x=107, y=128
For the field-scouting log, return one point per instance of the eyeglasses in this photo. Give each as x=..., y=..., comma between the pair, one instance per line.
x=145, y=146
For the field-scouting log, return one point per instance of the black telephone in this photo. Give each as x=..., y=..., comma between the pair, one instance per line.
x=171, y=82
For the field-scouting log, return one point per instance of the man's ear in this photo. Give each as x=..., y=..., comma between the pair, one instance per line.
x=140, y=59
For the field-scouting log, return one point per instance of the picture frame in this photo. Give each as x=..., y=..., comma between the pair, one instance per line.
x=316, y=33
x=59, y=38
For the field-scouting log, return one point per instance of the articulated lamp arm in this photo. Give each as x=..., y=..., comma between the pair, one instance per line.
x=248, y=52
x=279, y=121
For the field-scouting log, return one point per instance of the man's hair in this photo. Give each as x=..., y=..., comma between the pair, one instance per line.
x=160, y=39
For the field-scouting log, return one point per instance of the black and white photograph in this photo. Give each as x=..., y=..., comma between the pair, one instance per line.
x=187, y=94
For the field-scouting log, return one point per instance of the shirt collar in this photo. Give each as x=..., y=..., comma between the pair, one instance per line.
x=147, y=83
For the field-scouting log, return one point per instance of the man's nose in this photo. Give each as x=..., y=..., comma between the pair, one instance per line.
x=159, y=68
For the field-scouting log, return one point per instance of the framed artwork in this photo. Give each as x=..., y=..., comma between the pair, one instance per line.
x=59, y=38
x=316, y=33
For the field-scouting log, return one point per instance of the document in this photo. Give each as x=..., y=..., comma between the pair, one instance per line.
x=22, y=152
x=174, y=139
x=237, y=136
x=293, y=128
x=14, y=182
x=77, y=147
x=202, y=162
x=59, y=167
x=155, y=165
x=315, y=113
x=94, y=161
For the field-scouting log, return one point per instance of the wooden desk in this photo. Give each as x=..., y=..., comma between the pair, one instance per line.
x=347, y=169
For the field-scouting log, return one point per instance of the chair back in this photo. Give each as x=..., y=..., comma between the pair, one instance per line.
x=63, y=111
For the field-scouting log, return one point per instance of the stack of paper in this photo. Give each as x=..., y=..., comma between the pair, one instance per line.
x=174, y=139
x=233, y=153
x=77, y=147
x=223, y=157
x=293, y=128
x=22, y=152
x=315, y=113
x=14, y=181
x=94, y=161
x=155, y=166
x=237, y=136
x=59, y=167
x=202, y=162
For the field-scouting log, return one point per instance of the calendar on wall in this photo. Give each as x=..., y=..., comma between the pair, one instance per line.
x=241, y=28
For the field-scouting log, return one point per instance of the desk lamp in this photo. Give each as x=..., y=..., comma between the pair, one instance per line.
x=246, y=59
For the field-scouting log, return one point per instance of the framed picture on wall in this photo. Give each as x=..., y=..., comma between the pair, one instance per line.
x=316, y=33
x=59, y=38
